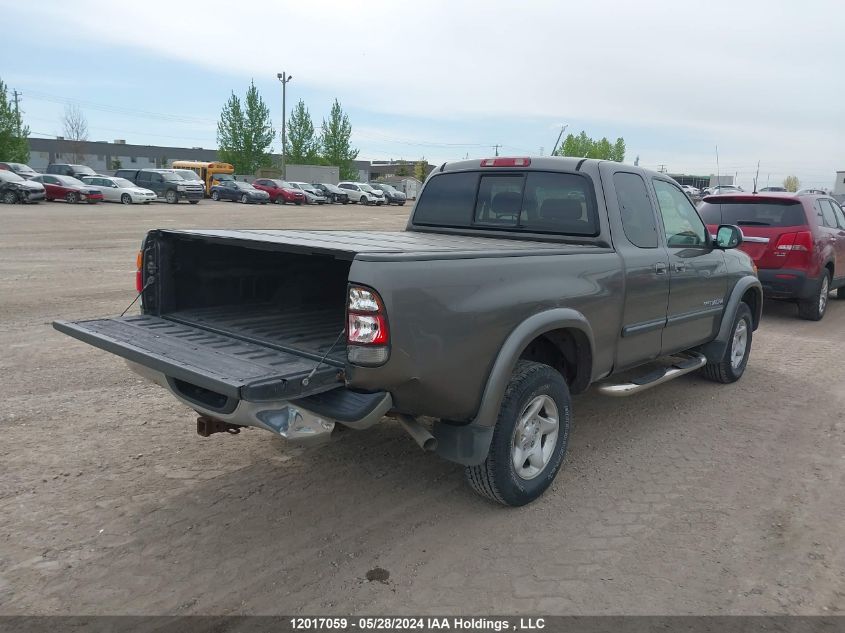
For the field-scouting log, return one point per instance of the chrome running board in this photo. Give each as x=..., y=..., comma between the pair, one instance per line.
x=689, y=362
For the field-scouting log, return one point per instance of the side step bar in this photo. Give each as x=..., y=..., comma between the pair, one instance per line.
x=690, y=362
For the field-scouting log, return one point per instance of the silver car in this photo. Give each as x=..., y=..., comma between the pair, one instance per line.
x=312, y=194
x=119, y=190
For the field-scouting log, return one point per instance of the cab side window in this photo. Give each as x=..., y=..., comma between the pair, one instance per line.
x=837, y=211
x=681, y=224
x=635, y=207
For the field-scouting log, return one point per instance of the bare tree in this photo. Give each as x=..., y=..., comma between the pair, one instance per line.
x=76, y=131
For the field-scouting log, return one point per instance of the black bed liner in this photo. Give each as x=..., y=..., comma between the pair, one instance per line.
x=225, y=364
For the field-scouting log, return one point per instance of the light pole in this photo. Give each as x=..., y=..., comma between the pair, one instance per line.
x=284, y=78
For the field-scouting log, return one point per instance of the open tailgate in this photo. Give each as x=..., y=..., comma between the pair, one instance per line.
x=223, y=364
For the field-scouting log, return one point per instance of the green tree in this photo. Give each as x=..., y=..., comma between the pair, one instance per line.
x=335, y=137
x=791, y=183
x=303, y=146
x=421, y=169
x=13, y=133
x=582, y=146
x=245, y=132
x=403, y=170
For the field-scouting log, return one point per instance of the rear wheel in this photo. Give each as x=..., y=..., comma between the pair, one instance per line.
x=171, y=196
x=814, y=309
x=10, y=197
x=215, y=195
x=732, y=364
x=363, y=200
x=72, y=197
x=126, y=198
x=530, y=437
x=244, y=199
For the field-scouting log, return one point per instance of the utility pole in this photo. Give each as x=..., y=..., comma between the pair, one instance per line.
x=17, y=94
x=541, y=150
x=559, y=136
x=284, y=78
x=662, y=168
x=496, y=147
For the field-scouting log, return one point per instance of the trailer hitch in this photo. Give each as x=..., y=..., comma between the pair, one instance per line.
x=208, y=426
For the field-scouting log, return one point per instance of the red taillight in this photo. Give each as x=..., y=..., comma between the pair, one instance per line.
x=139, y=272
x=506, y=162
x=366, y=321
x=801, y=241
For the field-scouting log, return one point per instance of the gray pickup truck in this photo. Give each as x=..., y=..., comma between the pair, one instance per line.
x=517, y=282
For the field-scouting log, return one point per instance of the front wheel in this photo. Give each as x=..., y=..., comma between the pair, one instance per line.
x=72, y=197
x=10, y=197
x=529, y=439
x=814, y=309
x=363, y=200
x=244, y=199
x=171, y=196
x=126, y=198
x=215, y=195
x=733, y=362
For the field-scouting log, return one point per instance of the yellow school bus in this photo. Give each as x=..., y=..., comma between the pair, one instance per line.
x=210, y=173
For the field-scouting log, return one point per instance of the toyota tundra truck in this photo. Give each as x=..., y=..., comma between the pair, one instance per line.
x=516, y=283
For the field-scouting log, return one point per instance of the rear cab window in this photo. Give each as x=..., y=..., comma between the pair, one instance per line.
x=521, y=201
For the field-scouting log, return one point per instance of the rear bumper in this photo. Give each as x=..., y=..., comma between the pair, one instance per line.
x=291, y=419
x=785, y=283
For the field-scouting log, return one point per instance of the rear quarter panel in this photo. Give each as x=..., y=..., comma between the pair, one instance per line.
x=448, y=319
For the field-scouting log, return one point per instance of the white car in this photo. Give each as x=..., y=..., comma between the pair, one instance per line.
x=690, y=190
x=119, y=190
x=361, y=192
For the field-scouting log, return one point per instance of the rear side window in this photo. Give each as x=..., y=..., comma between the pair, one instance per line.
x=637, y=213
x=837, y=211
x=827, y=213
x=754, y=213
x=533, y=202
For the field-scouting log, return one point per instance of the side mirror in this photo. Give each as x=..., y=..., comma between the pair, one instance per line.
x=728, y=236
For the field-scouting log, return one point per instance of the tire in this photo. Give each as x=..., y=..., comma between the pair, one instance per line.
x=735, y=359
x=72, y=197
x=10, y=197
x=171, y=196
x=299, y=203
x=814, y=309
x=126, y=199
x=499, y=478
x=244, y=199
x=363, y=200
x=193, y=201
x=215, y=195
x=402, y=203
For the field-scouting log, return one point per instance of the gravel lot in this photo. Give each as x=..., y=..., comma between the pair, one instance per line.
x=690, y=498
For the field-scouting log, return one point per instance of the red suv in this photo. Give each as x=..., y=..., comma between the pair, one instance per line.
x=280, y=191
x=796, y=241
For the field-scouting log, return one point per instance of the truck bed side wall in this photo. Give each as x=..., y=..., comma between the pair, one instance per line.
x=452, y=320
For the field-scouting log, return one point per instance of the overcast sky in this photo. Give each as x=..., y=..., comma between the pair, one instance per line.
x=446, y=79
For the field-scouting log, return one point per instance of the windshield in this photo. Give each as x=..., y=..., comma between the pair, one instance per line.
x=9, y=176
x=243, y=185
x=122, y=182
x=366, y=187
x=24, y=169
x=754, y=213
x=169, y=176
x=84, y=170
x=282, y=184
x=70, y=181
x=188, y=174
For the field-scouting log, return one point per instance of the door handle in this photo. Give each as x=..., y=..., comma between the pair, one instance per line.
x=660, y=268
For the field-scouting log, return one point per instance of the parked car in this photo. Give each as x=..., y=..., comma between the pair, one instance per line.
x=391, y=194
x=773, y=189
x=120, y=190
x=280, y=191
x=66, y=169
x=358, y=194
x=797, y=243
x=724, y=189
x=166, y=184
x=22, y=170
x=818, y=192
x=237, y=191
x=691, y=191
x=333, y=193
x=67, y=188
x=15, y=188
x=504, y=295
x=191, y=176
x=312, y=194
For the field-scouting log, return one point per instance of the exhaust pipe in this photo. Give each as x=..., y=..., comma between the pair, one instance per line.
x=421, y=436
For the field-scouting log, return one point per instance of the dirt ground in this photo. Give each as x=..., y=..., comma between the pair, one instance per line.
x=690, y=498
